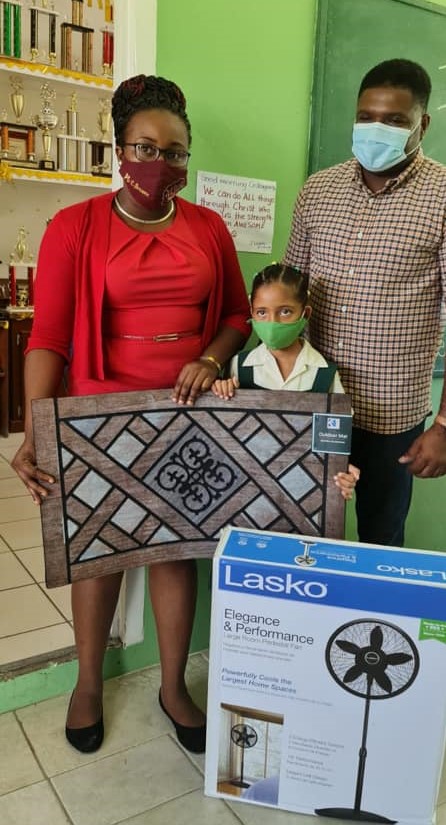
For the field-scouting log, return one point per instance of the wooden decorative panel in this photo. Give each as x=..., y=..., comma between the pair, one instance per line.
x=141, y=480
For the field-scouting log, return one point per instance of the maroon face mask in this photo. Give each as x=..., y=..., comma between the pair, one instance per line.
x=152, y=184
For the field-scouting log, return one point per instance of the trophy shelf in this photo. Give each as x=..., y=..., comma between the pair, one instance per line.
x=71, y=152
x=41, y=70
x=70, y=178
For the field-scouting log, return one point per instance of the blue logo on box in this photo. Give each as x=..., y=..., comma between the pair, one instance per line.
x=356, y=593
x=333, y=423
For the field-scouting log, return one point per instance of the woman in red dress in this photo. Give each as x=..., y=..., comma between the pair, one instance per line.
x=135, y=290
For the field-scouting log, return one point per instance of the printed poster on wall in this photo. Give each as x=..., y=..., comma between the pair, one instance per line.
x=247, y=206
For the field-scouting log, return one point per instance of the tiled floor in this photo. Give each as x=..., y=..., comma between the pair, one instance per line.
x=33, y=620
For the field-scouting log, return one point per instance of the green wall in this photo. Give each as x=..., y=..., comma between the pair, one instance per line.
x=245, y=67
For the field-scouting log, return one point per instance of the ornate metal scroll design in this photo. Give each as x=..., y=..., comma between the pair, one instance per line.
x=195, y=476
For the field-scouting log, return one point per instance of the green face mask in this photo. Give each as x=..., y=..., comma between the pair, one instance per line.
x=277, y=335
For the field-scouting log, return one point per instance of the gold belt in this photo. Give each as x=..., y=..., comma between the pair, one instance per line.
x=169, y=336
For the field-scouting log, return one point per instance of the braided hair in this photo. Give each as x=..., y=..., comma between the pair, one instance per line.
x=146, y=92
x=284, y=274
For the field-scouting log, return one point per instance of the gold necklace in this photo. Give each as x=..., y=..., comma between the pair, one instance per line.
x=141, y=220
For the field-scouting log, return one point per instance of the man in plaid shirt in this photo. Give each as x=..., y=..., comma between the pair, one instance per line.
x=371, y=234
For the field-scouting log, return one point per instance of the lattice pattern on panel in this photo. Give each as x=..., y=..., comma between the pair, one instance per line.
x=144, y=480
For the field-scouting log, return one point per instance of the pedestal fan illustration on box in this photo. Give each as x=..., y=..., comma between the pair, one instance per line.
x=244, y=736
x=373, y=660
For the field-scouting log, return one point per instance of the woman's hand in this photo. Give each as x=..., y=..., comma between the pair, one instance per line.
x=225, y=388
x=347, y=481
x=195, y=378
x=24, y=463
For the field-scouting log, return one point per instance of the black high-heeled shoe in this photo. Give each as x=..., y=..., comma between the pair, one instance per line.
x=88, y=739
x=191, y=738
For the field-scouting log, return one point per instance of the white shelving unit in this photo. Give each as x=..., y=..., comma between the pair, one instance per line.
x=45, y=72
x=16, y=173
x=29, y=196
x=89, y=89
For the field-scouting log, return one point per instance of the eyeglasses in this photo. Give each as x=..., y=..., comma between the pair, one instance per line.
x=147, y=152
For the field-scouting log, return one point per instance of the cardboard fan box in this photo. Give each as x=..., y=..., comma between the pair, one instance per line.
x=326, y=677
x=140, y=479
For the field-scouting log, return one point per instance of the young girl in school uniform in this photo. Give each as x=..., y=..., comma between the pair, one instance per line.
x=283, y=360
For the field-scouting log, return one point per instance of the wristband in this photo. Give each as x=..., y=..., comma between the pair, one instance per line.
x=441, y=420
x=213, y=361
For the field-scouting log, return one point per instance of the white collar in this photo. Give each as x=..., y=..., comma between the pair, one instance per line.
x=308, y=357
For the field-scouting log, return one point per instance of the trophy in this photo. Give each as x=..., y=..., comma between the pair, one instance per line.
x=17, y=97
x=72, y=142
x=101, y=158
x=72, y=115
x=17, y=140
x=38, y=13
x=107, y=52
x=46, y=120
x=86, y=35
x=11, y=28
x=21, y=295
x=104, y=117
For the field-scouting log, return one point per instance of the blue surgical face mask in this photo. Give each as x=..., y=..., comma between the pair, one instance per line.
x=378, y=146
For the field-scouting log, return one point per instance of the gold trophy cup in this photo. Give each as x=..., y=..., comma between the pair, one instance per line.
x=46, y=120
x=104, y=117
x=17, y=97
x=101, y=150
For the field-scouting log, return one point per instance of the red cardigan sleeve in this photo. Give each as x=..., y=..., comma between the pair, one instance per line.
x=55, y=289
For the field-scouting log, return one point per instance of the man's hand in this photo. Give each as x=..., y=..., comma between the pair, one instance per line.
x=426, y=457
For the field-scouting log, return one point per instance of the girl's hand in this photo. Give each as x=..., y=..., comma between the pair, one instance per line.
x=347, y=481
x=225, y=388
x=24, y=463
